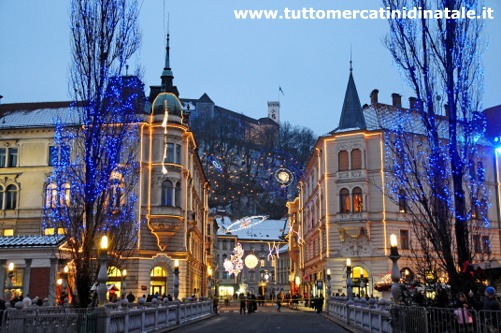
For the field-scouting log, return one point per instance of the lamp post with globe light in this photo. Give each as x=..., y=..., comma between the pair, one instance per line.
x=328, y=282
x=102, y=276
x=395, y=271
x=349, y=283
x=209, y=282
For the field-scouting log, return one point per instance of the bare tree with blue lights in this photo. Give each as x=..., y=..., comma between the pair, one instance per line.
x=434, y=149
x=95, y=161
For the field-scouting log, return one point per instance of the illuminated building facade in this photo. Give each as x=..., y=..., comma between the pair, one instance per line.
x=342, y=212
x=172, y=207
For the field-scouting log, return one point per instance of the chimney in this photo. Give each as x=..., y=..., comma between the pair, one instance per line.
x=396, y=100
x=374, y=96
x=412, y=103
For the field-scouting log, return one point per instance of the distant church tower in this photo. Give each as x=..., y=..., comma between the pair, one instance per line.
x=274, y=111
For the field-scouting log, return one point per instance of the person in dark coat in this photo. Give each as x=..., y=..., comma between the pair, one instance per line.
x=242, y=303
x=319, y=303
x=490, y=304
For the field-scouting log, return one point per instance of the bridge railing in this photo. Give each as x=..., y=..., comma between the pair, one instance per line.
x=112, y=318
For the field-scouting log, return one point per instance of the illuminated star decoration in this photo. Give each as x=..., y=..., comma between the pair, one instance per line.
x=164, y=125
x=279, y=174
x=246, y=222
x=273, y=251
x=215, y=163
x=234, y=265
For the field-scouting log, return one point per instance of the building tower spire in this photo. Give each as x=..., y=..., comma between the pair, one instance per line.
x=167, y=76
x=352, y=116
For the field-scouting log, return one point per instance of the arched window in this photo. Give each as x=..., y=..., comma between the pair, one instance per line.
x=343, y=160
x=358, y=202
x=11, y=197
x=1, y=197
x=158, y=277
x=52, y=195
x=177, y=194
x=356, y=159
x=344, y=201
x=167, y=193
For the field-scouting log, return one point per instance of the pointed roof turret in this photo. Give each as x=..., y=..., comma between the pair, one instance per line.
x=167, y=76
x=351, y=114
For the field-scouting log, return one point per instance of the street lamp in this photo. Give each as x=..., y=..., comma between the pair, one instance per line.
x=176, y=279
x=102, y=276
x=328, y=282
x=362, y=285
x=124, y=284
x=349, y=283
x=10, y=275
x=65, y=278
x=395, y=272
x=209, y=281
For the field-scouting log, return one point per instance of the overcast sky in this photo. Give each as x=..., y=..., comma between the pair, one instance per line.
x=240, y=64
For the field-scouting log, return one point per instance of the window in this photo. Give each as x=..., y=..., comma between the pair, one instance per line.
x=402, y=201
x=11, y=197
x=358, y=202
x=404, y=239
x=116, y=192
x=173, y=153
x=52, y=195
x=344, y=201
x=8, y=157
x=8, y=232
x=476, y=244
x=59, y=155
x=356, y=159
x=480, y=172
x=167, y=193
x=1, y=197
x=486, y=244
x=177, y=195
x=343, y=160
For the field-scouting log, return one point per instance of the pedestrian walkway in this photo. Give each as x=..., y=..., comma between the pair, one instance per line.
x=234, y=307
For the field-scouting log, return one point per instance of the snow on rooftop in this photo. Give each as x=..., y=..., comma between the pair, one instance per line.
x=264, y=230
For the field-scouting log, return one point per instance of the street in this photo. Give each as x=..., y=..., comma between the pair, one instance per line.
x=266, y=319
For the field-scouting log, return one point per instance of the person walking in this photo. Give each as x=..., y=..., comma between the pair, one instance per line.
x=279, y=301
x=242, y=303
x=319, y=303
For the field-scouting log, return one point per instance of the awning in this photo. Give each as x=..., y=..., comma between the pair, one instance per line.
x=486, y=265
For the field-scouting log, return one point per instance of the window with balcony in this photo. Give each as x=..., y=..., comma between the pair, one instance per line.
x=356, y=159
x=343, y=160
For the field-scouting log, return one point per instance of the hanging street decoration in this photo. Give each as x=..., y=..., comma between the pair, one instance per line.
x=246, y=222
x=215, y=163
x=234, y=265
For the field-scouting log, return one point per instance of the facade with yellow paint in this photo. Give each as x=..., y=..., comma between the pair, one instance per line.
x=172, y=209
